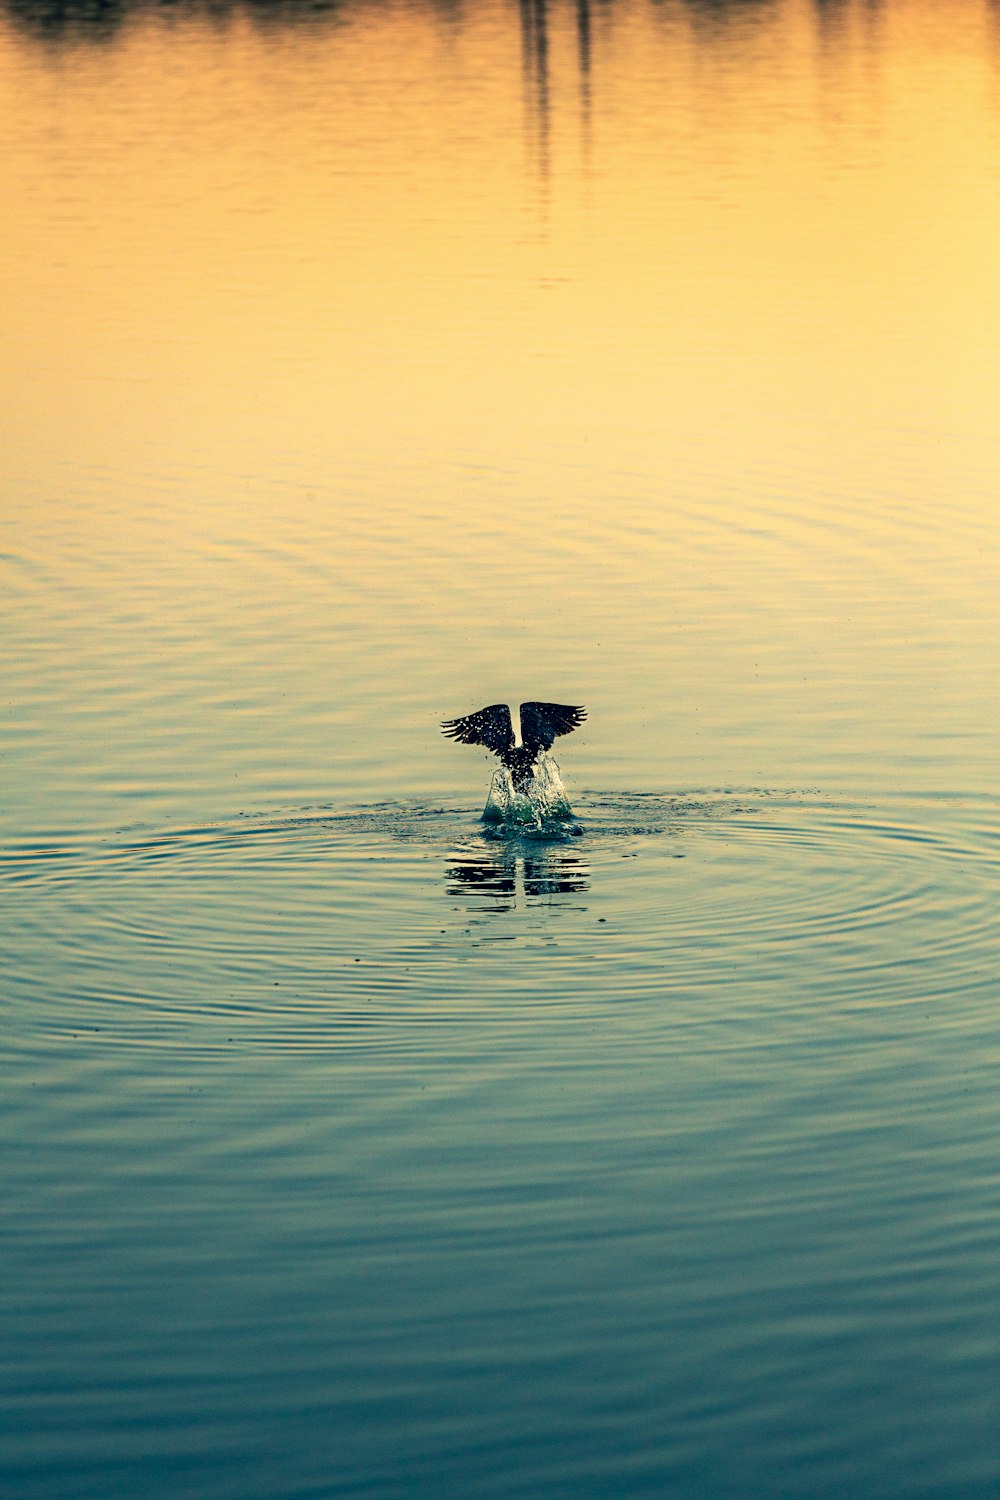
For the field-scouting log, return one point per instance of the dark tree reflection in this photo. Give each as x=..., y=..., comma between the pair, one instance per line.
x=535, y=62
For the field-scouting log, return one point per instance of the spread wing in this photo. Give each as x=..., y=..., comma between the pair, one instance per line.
x=541, y=722
x=488, y=726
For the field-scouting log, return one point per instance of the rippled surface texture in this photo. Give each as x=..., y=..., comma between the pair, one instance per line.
x=365, y=366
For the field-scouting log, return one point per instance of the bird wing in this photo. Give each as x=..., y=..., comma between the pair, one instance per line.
x=491, y=727
x=542, y=722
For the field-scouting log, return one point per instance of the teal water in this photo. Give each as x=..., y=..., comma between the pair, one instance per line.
x=370, y=367
x=358, y=1154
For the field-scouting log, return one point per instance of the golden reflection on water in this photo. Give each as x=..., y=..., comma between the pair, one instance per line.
x=692, y=307
x=775, y=215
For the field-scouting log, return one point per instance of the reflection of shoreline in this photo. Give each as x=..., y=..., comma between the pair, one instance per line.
x=99, y=20
x=514, y=873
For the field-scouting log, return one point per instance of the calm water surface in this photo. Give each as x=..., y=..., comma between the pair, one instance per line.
x=366, y=365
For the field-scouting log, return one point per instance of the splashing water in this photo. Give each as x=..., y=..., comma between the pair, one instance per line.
x=544, y=808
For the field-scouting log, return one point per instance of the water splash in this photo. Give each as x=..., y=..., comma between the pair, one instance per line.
x=543, y=809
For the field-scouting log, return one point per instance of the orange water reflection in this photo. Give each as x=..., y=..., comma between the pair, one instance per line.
x=673, y=331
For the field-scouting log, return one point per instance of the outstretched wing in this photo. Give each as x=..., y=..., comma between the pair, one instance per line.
x=488, y=726
x=541, y=722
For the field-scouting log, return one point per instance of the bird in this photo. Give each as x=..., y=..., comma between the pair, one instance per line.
x=493, y=727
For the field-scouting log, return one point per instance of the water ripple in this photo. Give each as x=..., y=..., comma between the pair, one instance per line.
x=319, y=927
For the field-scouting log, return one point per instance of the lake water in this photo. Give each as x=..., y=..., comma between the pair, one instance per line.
x=366, y=364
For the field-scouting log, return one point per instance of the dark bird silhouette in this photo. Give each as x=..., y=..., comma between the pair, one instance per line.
x=494, y=728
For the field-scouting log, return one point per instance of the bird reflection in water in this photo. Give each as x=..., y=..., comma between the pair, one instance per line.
x=513, y=874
